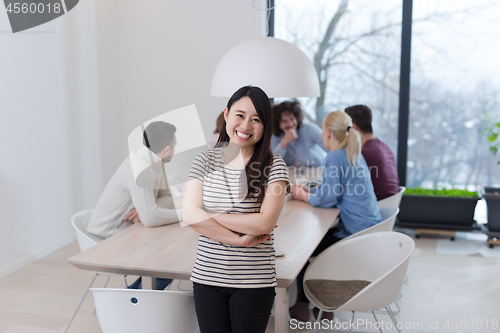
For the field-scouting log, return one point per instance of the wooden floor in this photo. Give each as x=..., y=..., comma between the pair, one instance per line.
x=41, y=297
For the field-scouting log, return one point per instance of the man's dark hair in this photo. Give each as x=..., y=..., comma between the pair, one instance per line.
x=361, y=115
x=158, y=135
x=292, y=107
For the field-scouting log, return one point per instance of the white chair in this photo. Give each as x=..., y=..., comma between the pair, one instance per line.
x=150, y=311
x=389, y=218
x=389, y=215
x=372, y=267
x=79, y=222
x=393, y=200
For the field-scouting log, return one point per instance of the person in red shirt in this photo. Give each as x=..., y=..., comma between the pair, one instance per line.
x=377, y=154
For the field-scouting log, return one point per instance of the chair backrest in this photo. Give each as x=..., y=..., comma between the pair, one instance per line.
x=79, y=221
x=380, y=258
x=151, y=311
x=393, y=200
x=389, y=218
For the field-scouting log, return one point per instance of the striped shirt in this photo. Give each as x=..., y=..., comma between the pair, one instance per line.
x=224, y=191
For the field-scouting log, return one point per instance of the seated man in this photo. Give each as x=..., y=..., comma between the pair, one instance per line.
x=377, y=154
x=138, y=191
x=298, y=143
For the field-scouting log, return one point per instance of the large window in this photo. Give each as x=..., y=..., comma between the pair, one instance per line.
x=455, y=77
x=357, y=59
x=455, y=87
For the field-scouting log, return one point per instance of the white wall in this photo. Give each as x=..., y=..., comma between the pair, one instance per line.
x=168, y=55
x=73, y=89
x=49, y=164
x=161, y=56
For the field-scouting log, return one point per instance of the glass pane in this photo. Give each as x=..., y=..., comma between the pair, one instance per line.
x=361, y=60
x=455, y=84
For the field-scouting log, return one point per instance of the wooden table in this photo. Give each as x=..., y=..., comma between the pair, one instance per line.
x=170, y=251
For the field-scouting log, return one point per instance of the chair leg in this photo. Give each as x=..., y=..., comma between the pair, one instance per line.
x=394, y=312
x=105, y=285
x=397, y=306
x=170, y=285
x=79, y=305
x=107, y=280
x=318, y=320
x=395, y=303
x=179, y=288
x=125, y=279
x=389, y=311
x=376, y=320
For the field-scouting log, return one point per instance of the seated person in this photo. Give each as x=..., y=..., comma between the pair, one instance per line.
x=377, y=154
x=297, y=142
x=148, y=192
x=218, y=127
x=346, y=185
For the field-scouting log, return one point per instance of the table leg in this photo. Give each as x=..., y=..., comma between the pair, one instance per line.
x=148, y=283
x=281, y=311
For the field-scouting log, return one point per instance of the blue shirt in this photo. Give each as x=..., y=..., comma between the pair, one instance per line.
x=308, y=148
x=349, y=189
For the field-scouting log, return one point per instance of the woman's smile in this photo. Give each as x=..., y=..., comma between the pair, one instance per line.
x=243, y=135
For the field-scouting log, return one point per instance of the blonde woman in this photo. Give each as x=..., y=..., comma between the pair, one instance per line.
x=346, y=184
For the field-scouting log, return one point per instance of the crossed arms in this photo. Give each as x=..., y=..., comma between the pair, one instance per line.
x=255, y=227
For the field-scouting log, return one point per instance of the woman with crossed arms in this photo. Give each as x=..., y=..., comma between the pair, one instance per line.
x=233, y=198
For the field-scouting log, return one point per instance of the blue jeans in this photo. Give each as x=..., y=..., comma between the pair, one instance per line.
x=160, y=283
x=232, y=310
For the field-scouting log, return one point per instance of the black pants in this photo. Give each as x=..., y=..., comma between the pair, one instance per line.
x=232, y=310
x=325, y=243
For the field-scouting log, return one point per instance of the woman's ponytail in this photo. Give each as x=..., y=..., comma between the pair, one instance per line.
x=340, y=124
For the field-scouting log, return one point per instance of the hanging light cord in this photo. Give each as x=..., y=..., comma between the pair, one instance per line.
x=268, y=9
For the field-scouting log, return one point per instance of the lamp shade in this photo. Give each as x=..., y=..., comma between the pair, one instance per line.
x=276, y=66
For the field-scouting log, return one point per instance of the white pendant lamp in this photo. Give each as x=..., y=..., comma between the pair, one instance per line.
x=276, y=66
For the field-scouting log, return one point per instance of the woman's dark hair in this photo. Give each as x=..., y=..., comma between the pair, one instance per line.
x=293, y=107
x=262, y=156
